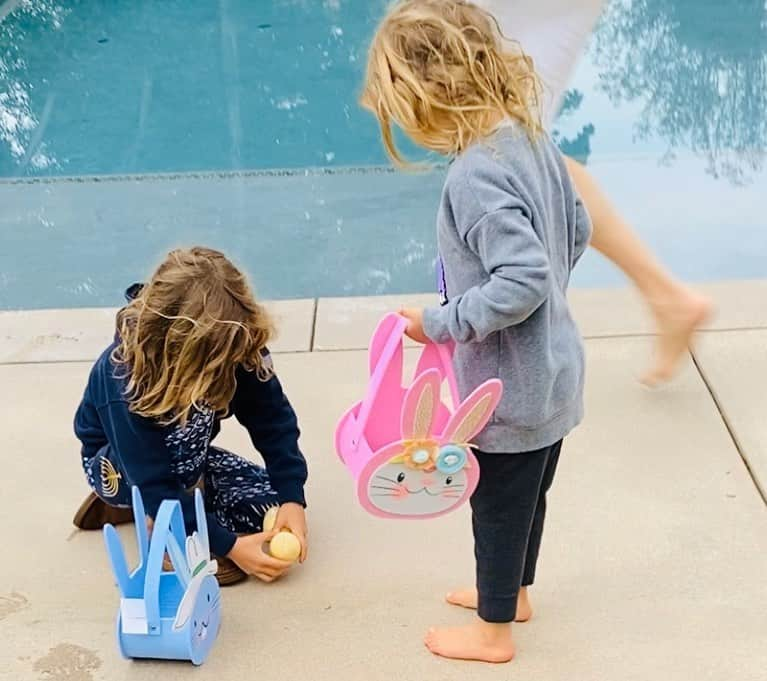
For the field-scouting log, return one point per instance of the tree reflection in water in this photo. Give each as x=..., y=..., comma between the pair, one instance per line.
x=700, y=69
x=578, y=147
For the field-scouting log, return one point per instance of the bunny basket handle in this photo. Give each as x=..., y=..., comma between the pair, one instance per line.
x=168, y=528
x=387, y=347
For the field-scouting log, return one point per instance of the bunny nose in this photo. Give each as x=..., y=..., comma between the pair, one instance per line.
x=427, y=481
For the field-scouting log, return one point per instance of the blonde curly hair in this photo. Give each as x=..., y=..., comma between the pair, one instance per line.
x=183, y=337
x=443, y=72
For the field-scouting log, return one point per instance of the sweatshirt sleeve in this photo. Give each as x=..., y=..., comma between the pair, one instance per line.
x=264, y=410
x=89, y=429
x=518, y=278
x=140, y=446
x=583, y=229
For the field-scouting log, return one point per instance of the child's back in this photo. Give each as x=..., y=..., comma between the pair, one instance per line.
x=190, y=350
x=510, y=230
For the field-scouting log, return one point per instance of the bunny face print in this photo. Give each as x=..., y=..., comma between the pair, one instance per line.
x=205, y=615
x=396, y=489
x=427, y=474
x=199, y=611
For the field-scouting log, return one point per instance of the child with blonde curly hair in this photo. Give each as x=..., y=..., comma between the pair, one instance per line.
x=191, y=350
x=510, y=230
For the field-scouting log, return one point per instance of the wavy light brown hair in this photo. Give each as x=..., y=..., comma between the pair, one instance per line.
x=186, y=333
x=443, y=72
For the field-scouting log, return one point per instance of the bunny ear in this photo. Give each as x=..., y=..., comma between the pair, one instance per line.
x=198, y=557
x=202, y=524
x=142, y=534
x=117, y=559
x=195, y=555
x=188, y=600
x=420, y=406
x=472, y=415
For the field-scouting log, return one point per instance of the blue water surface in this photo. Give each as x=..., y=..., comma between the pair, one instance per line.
x=127, y=128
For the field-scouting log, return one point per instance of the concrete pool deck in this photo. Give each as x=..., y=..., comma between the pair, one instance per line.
x=653, y=565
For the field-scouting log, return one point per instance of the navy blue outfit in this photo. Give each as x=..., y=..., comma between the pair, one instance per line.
x=121, y=449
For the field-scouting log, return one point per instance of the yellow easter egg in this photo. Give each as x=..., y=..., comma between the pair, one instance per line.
x=285, y=546
x=270, y=518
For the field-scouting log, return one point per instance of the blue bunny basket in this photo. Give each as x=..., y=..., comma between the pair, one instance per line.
x=166, y=615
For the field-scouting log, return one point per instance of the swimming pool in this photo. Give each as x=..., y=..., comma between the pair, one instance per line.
x=129, y=128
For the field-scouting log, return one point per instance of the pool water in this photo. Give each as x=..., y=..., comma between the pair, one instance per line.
x=127, y=128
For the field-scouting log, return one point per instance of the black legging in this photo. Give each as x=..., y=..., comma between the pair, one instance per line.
x=509, y=507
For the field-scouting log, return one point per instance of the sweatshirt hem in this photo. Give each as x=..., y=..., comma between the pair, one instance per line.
x=499, y=437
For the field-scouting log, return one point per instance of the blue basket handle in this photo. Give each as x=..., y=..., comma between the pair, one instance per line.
x=142, y=532
x=178, y=559
x=168, y=527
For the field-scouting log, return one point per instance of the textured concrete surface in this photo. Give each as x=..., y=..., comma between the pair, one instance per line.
x=620, y=312
x=82, y=334
x=653, y=561
x=347, y=323
x=735, y=367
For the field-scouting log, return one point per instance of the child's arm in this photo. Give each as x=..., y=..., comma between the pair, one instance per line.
x=582, y=231
x=146, y=461
x=88, y=429
x=519, y=278
x=264, y=410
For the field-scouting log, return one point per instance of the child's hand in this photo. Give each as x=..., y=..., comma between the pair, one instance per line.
x=248, y=552
x=293, y=517
x=414, y=328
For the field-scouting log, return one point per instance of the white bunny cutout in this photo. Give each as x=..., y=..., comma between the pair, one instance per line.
x=192, y=573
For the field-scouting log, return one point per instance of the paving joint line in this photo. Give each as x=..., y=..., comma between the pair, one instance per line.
x=313, y=332
x=730, y=429
x=91, y=360
x=313, y=349
x=733, y=329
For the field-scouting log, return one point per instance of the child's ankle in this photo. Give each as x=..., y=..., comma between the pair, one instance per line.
x=495, y=631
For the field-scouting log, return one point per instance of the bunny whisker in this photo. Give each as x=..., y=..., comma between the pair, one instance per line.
x=383, y=477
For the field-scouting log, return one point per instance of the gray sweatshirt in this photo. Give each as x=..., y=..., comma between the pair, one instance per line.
x=510, y=229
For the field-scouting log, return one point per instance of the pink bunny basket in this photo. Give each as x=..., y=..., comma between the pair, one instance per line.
x=410, y=454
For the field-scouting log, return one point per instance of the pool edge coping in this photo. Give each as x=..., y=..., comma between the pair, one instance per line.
x=345, y=323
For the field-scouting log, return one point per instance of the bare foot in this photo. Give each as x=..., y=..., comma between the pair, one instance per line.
x=524, y=609
x=677, y=317
x=467, y=598
x=481, y=641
